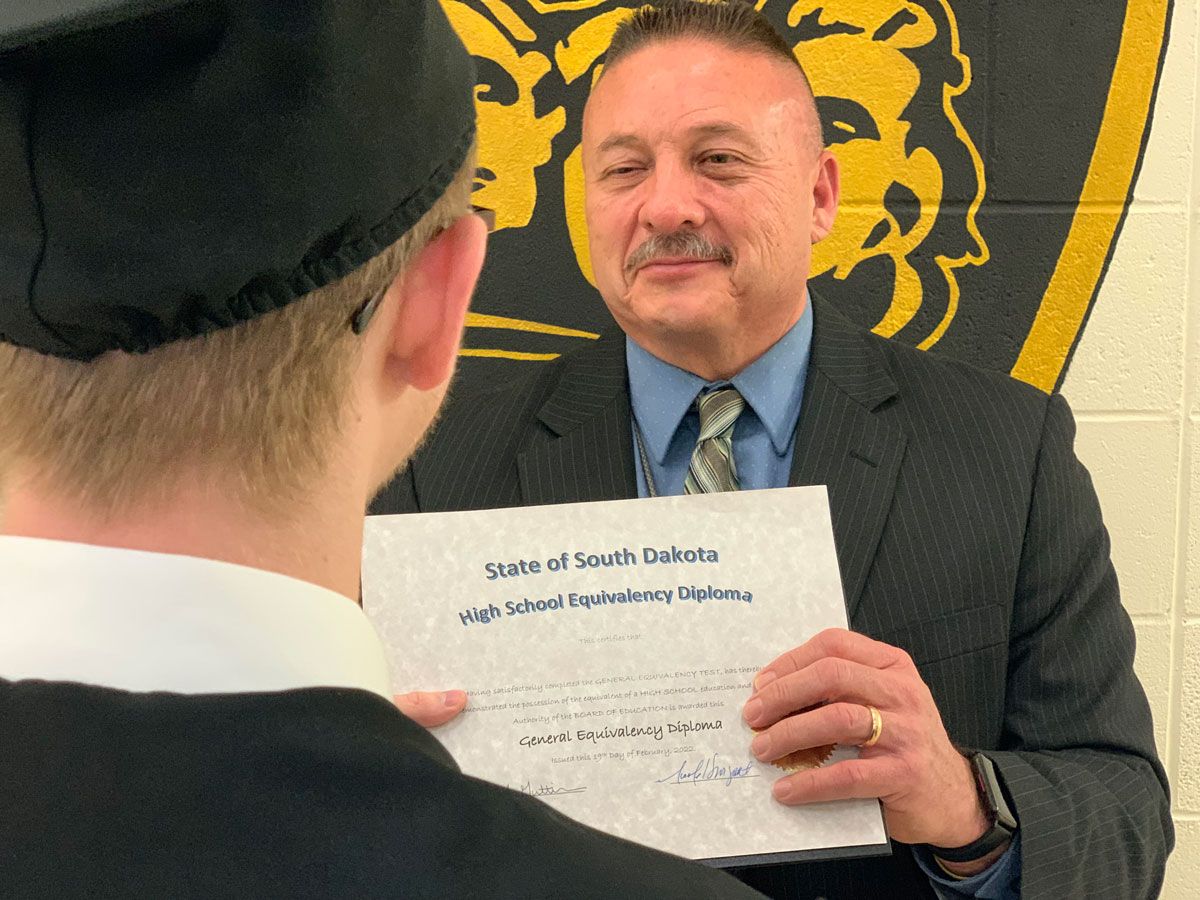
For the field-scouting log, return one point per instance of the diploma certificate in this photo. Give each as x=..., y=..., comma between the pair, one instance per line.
x=607, y=649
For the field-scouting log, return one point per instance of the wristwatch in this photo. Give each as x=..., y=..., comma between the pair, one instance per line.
x=1004, y=823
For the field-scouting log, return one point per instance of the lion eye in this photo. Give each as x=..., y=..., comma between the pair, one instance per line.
x=843, y=120
x=493, y=84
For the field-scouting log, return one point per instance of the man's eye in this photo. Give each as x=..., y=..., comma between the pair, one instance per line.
x=719, y=158
x=623, y=170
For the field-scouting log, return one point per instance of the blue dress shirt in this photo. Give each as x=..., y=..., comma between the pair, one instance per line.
x=662, y=397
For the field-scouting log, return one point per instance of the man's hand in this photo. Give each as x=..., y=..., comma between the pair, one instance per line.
x=926, y=785
x=431, y=708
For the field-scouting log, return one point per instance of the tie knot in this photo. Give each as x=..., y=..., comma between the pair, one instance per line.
x=718, y=410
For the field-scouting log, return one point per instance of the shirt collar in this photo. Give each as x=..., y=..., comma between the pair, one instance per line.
x=660, y=395
x=140, y=621
x=773, y=386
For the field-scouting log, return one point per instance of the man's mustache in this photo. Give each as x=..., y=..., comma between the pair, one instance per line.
x=676, y=244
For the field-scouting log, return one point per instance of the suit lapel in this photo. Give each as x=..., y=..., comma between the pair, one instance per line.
x=841, y=443
x=590, y=456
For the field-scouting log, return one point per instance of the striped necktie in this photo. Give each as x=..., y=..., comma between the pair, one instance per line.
x=712, y=468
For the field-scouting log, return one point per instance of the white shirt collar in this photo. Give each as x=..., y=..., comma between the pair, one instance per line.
x=143, y=621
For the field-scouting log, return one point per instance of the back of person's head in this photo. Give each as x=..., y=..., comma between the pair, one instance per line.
x=200, y=198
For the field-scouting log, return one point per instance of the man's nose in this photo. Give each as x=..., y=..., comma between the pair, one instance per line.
x=670, y=202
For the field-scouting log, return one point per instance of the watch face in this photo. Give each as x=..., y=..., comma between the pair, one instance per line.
x=1002, y=824
x=981, y=785
x=991, y=793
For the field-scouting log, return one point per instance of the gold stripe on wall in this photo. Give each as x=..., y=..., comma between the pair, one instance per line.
x=479, y=320
x=1102, y=202
x=509, y=354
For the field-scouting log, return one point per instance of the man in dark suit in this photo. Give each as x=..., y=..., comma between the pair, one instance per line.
x=235, y=258
x=989, y=675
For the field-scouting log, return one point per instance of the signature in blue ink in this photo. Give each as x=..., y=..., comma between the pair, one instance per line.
x=708, y=769
x=548, y=790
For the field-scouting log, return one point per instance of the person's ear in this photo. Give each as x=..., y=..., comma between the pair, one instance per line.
x=826, y=192
x=434, y=293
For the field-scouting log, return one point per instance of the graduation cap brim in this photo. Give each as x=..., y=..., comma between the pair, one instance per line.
x=171, y=168
x=29, y=21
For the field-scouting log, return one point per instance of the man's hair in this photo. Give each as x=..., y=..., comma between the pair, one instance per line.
x=253, y=408
x=735, y=24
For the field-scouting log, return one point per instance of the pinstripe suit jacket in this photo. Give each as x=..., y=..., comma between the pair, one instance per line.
x=967, y=533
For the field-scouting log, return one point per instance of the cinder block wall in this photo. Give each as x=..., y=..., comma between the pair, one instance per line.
x=1135, y=388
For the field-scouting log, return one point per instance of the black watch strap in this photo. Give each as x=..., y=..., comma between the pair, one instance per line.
x=1004, y=823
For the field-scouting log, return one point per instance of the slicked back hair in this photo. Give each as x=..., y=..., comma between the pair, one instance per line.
x=735, y=24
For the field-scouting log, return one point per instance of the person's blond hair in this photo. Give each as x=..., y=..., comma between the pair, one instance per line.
x=253, y=407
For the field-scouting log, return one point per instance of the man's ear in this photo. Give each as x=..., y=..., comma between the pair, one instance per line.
x=435, y=292
x=826, y=192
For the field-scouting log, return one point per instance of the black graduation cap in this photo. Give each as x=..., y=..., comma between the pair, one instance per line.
x=171, y=167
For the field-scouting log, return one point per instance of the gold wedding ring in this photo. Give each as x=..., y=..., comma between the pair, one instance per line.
x=876, y=727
